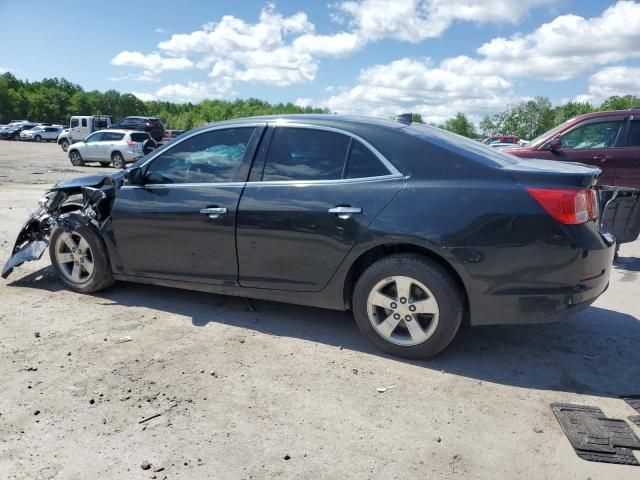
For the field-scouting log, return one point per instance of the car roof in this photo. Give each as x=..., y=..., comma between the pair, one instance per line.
x=607, y=113
x=118, y=130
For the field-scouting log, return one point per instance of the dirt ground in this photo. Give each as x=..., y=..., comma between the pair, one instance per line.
x=282, y=391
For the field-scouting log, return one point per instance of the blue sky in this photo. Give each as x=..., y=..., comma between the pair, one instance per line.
x=375, y=57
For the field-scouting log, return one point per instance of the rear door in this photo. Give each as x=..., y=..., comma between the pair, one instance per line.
x=627, y=161
x=108, y=143
x=312, y=193
x=180, y=225
x=594, y=142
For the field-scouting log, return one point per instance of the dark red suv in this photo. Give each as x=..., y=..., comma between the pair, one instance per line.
x=608, y=140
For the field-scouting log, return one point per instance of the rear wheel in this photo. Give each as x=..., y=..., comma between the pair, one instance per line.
x=76, y=158
x=64, y=144
x=118, y=160
x=408, y=306
x=79, y=258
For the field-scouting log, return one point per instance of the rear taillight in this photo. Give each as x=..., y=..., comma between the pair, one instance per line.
x=568, y=206
x=131, y=143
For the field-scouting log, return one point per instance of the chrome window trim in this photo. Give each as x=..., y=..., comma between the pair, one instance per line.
x=394, y=173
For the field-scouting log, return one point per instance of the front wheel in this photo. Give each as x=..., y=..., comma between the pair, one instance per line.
x=79, y=258
x=408, y=305
x=76, y=159
x=38, y=138
x=65, y=145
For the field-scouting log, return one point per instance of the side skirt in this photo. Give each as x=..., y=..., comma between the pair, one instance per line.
x=309, y=299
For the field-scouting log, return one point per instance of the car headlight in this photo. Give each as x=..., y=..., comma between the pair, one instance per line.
x=45, y=201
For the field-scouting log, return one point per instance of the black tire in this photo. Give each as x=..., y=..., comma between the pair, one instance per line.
x=64, y=144
x=444, y=288
x=38, y=138
x=76, y=158
x=118, y=160
x=105, y=164
x=101, y=276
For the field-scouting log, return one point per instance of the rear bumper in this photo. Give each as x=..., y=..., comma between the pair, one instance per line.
x=538, y=284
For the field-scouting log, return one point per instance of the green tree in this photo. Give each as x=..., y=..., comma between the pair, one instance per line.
x=461, y=125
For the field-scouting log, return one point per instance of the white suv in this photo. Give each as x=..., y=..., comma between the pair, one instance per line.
x=117, y=147
x=41, y=132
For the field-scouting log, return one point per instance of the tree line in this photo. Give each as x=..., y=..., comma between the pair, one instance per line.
x=55, y=100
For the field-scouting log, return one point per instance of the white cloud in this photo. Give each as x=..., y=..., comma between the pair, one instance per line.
x=145, y=97
x=565, y=47
x=190, y=92
x=338, y=45
x=151, y=63
x=415, y=20
x=160, y=30
x=610, y=81
x=419, y=86
x=304, y=102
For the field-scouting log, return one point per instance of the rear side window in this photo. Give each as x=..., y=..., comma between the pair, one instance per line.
x=633, y=140
x=84, y=122
x=209, y=157
x=305, y=154
x=112, y=136
x=140, y=137
x=363, y=163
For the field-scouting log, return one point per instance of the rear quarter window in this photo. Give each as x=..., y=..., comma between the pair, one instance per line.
x=140, y=137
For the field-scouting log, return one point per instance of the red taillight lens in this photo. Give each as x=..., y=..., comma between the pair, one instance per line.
x=568, y=206
x=131, y=143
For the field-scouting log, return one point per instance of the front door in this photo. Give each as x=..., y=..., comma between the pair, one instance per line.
x=596, y=143
x=315, y=196
x=180, y=224
x=92, y=144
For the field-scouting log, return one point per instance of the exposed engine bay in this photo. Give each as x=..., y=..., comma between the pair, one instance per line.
x=82, y=200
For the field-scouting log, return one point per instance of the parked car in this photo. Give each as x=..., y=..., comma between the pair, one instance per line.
x=411, y=227
x=607, y=140
x=111, y=147
x=501, y=146
x=40, y=133
x=12, y=132
x=81, y=126
x=501, y=139
x=171, y=135
x=153, y=126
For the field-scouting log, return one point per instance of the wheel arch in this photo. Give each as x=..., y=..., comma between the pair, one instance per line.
x=373, y=254
x=118, y=152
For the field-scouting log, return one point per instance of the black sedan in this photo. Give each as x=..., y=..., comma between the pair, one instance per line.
x=413, y=228
x=12, y=132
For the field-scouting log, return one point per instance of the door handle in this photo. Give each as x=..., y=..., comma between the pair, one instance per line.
x=213, y=212
x=601, y=158
x=345, y=212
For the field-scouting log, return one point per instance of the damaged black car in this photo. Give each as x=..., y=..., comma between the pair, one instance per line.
x=414, y=229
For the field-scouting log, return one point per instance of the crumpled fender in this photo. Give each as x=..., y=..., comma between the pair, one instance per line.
x=33, y=239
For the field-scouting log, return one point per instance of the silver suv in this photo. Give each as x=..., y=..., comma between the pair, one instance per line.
x=117, y=147
x=41, y=132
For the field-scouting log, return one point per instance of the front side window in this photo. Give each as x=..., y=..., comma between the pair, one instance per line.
x=75, y=122
x=94, y=137
x=305, y=154
x=592, y=135
x=209, y=157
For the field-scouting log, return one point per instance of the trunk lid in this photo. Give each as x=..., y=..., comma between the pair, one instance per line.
x=552, y=173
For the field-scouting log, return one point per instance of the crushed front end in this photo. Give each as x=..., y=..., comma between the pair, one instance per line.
x=89, y=199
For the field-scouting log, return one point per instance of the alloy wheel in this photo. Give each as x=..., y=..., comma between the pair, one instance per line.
x=74, y=257
x=403, y=310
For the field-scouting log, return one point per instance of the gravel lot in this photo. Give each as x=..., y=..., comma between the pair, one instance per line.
x=282, y=391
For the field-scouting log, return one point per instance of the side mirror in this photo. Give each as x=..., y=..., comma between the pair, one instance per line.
x=134, y=176
x=554, y=144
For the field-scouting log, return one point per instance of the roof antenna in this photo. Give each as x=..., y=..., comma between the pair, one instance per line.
x=404, y=118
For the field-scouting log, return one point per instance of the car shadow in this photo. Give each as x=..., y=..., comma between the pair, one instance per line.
x=627, y=263
x=597, y=352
